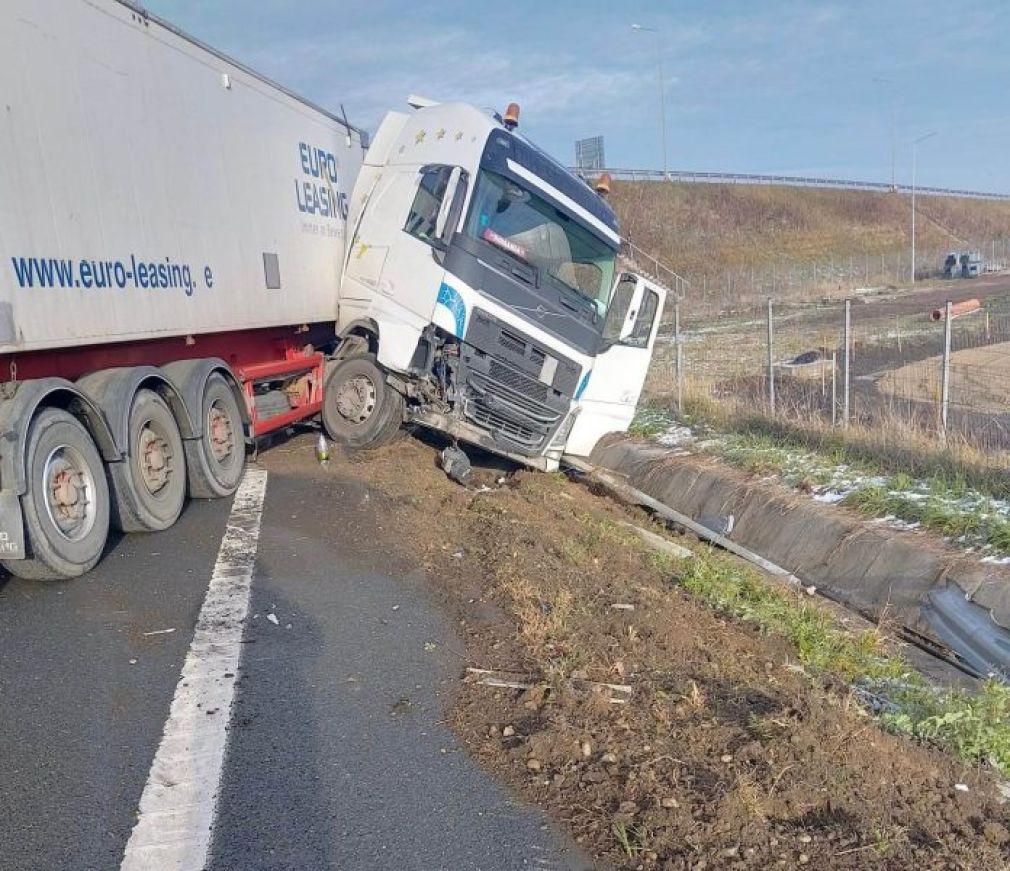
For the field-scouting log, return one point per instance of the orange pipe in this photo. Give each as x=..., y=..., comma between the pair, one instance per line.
x=966, y=307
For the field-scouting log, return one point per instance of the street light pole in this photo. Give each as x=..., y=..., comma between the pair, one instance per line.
x=915, y=145
x=894, y=148
x=662, y=85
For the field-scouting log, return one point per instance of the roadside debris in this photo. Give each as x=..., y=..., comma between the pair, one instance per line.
x=721, y=524
x=623, y=606
x=659, y=543
x=616, y=694
x=273, y=619
x=322, y=450
x=629, y=495
x=456, y=464
x=159, y=632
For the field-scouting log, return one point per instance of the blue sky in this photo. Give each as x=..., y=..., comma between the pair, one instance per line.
x=775, y=87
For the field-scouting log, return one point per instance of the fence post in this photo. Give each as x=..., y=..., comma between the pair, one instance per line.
x=834, y=388
x=680, y=359
x=845, y=380
x=771, y=359
x=945, y=377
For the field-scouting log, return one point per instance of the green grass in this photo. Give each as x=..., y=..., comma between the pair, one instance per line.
x=629, y=838
x=974, y=727
x=650, y=420
x=977, y=526
x=818, y=640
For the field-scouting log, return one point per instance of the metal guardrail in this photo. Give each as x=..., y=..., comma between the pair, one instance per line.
x=788, y=180
x=654, y=268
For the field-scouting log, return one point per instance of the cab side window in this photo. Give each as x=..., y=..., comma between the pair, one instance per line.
x=427, y=201
x=640, y=333
x=618, y=310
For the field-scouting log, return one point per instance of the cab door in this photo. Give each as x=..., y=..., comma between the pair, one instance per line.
x=394, y=252
x=606, y=401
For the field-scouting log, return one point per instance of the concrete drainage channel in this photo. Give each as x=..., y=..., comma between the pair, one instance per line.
x=950, y=603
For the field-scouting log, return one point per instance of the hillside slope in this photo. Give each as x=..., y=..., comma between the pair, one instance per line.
x=702, y=229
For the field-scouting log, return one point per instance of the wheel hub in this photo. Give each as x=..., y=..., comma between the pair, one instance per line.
x=356, y=399
x=155, y=459
x=68, y=487
x=222, y=436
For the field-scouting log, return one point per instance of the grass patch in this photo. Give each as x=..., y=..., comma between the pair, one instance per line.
x=974, y=727
x=974, y=526
x=950, y=502
x=650, y=420
x=629, y=838
x=819, y=642
x=951, y=471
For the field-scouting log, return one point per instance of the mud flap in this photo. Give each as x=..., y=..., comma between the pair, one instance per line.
x=12, y=527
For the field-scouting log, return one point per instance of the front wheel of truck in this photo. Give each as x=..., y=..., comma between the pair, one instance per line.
x=360, y=409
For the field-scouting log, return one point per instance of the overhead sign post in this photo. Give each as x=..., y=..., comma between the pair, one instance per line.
x=589, y=154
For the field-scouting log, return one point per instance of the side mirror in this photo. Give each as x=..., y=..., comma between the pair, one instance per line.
x=452, y=205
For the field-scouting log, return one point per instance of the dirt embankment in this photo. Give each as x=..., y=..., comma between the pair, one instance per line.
x=727, y=755
x=702, y=229
x=978, y=379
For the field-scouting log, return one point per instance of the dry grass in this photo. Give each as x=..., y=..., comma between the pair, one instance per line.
x=978, y=379
x=892, y=443
x=729, y=241
x=705, y=228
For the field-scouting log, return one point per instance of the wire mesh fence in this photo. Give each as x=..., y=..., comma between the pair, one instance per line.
x=834, y=276
x=872, y=360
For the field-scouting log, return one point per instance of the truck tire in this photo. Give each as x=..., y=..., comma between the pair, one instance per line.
x=66, y=504
x=149, y=487
x=360, y=409
x=215, y=461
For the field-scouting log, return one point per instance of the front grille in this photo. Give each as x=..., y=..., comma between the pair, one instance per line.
x=512, y=343
x=498, y=393
x=497, y=423
x=508, y=413
x=495, y=339
x=518, y=382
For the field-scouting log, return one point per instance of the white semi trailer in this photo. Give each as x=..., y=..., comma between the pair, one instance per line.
x=191, y=256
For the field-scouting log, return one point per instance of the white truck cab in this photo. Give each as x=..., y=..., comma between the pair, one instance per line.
x=483, y=276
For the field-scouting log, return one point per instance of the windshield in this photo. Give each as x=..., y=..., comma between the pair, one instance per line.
x=529, y=228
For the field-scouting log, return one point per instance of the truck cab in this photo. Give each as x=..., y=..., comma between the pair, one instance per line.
x=483, y=277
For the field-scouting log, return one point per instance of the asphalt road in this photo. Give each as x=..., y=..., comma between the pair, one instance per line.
x=337, y=755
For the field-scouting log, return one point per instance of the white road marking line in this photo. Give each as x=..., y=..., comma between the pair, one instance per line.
x=173, y=830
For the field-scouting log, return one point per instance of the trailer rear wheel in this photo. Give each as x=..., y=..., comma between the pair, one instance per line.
x=217, y=458
x=149, y=489
x=66, y=504
x=359, y=408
